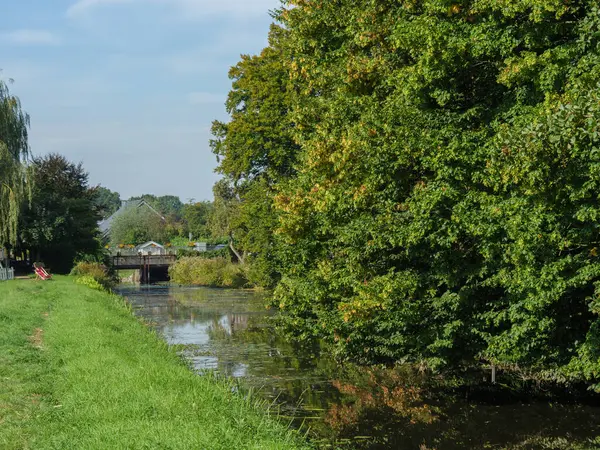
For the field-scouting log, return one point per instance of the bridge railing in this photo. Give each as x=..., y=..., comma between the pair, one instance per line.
x=143, y=260
x=125, y=251
x=136, y=252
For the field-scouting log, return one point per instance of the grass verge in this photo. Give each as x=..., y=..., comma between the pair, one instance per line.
x=77, y=370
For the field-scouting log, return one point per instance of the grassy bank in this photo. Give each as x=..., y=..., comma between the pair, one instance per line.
x=78, y=371
x=216, y=272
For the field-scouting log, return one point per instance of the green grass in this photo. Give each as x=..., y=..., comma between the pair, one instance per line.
x=125, y=273
x=96, y=378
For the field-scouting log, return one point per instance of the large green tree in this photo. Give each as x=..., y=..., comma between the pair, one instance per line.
x=60, y=225
x=224, y=220
x=14, y=151
x=407, y=236
x=442, y=203
x=171, y=208
x=137, y=225
x=256, y=151
x=196, y=216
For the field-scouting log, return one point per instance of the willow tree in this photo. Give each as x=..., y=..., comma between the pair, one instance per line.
x=14, y=151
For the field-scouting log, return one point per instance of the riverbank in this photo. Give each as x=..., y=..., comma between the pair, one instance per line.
x=345, y=406
x=78, y=371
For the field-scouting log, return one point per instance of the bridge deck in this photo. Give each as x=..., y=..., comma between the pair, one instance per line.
x=137, y=261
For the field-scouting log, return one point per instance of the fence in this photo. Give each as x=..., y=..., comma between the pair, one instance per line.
x=7, y=274
x=136, y=262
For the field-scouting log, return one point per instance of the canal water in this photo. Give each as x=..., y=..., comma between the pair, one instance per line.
x=230, y=333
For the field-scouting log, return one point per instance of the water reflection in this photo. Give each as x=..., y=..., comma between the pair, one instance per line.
x=228, y=332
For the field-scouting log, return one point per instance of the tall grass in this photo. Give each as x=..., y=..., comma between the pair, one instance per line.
x=77, y=370
x=217, y=272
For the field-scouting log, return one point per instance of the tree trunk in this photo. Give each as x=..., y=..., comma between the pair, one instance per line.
x=236, y=253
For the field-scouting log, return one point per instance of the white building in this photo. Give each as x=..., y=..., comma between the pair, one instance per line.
x=151, y=248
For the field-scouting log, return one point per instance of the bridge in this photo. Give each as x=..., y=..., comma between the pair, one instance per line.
x=144, y=263
x=138, y=261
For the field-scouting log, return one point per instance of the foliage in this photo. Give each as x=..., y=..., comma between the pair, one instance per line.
x=215, y=272
x=90, y=281
x=167, y=205
x=136, y=226
x=256, y=151
x=180, y=220
x=210, y=254
x=106, y=201
x=196, y=217
x=441, y=205
x=225, y=216
x=179, y=241
x=257, y=142
x=94, y=275
x=15, y=185
x=61, y=222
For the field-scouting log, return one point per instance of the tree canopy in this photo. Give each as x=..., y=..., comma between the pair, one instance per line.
x=256, y=151
x=196, y=216
x=426, y=173
x=168, y=205
x=107, y=202
x=60, y=225
x=137, y=225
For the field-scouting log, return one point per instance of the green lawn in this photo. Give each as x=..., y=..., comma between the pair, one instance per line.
x=78, y=371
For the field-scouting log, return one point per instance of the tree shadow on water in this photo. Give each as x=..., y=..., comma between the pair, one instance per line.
x=389, y=414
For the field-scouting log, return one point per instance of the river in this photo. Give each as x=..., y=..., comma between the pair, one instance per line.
x=229, y=332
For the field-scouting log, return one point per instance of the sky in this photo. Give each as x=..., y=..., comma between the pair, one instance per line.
x=129, y=87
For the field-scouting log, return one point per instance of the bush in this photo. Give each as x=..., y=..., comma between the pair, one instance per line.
x=217, y=272
x=90, y=282
x=94, y=275
x=212, y=254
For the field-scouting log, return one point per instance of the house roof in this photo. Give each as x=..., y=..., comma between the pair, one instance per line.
x=104, y=225
x=149, y=244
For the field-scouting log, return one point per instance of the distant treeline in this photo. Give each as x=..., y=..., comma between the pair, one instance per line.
x=58, y=212
x=419, y=180
x=168, y=220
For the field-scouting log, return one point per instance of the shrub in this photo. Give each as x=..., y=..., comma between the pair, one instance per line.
x=217, y=272
x=89, y=281
x=94, y=275
x=212, y=254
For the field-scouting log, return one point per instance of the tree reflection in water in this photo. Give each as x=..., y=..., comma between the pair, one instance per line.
x=345, y=406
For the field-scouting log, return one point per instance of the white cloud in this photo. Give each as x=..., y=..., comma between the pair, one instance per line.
x=83, y=6
x=202, y=98
x=31, y=37
x=188, y=8
x=201, y=8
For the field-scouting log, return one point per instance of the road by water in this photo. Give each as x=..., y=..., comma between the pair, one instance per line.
x=229, y=332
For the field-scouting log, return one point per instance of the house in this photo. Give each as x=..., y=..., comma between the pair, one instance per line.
x=151, y=248
x=104, y=225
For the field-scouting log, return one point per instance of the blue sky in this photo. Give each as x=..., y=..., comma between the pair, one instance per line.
x=129, y=87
